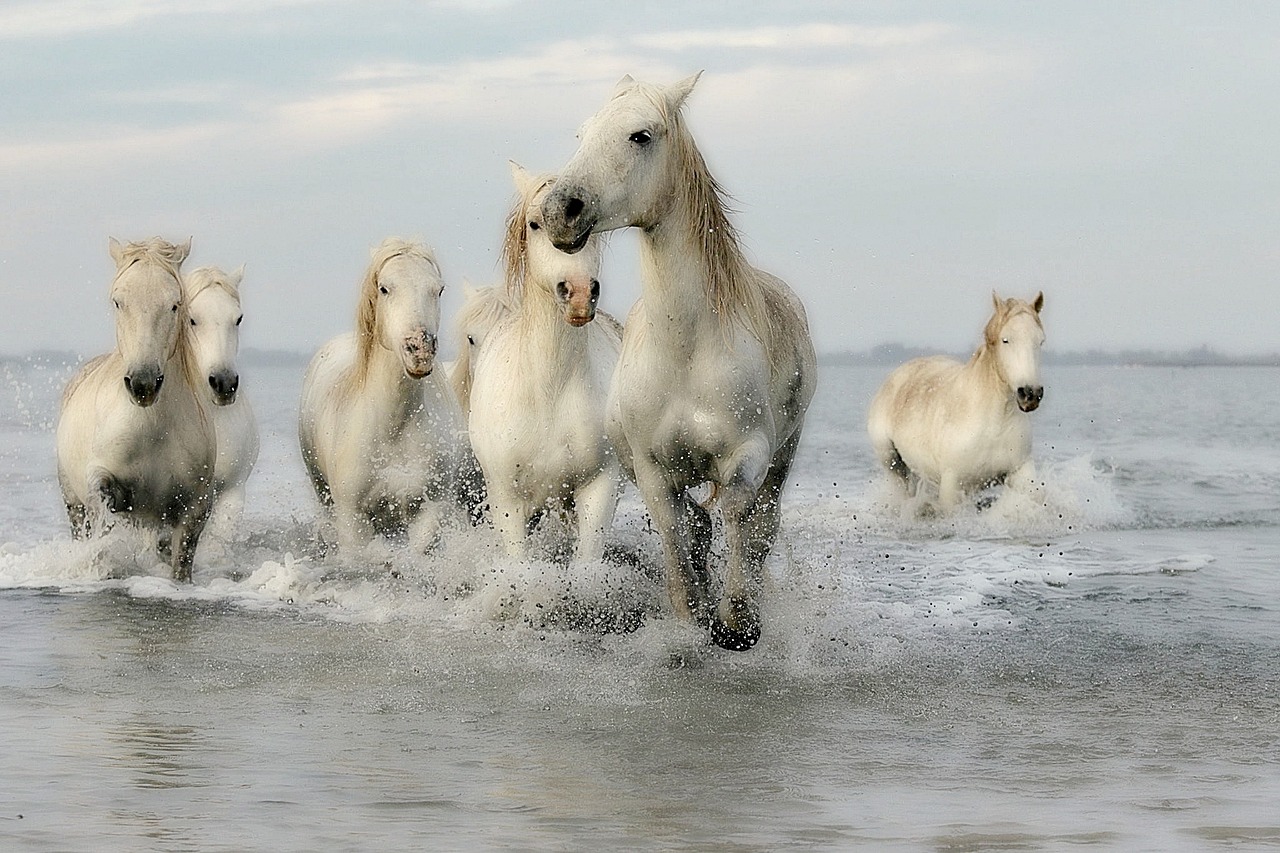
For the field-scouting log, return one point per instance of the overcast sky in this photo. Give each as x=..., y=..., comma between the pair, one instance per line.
x=894, y=161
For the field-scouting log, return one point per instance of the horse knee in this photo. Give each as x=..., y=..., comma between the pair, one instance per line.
x=114, y=494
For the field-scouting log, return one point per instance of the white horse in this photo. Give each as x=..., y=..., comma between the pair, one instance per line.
x=134, y=437
x=483, y=308
x=380, y=429
x=213, y=308
x=540, y=386
x=962, y=427
x=717, y=366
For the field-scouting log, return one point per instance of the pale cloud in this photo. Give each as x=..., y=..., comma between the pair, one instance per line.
x=52, y=18
x=802, y=37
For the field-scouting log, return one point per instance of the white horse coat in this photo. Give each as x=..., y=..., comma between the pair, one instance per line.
x=717, y=366
x=962, y=427
x=379, y=427
x=213, y=307
x=540, y=385
x=134, y=436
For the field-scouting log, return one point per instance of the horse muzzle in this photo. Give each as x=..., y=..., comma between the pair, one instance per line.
x=143, y=385
x=419, y=354
x=1029, y=397
x=578, y=300
x=224, y=384
x=569, y=216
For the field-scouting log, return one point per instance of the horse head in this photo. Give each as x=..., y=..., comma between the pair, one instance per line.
x=149, y=312
x=533, y=260
x=627, y=167
x=1015, y=335
x=400, y=305
x=213, y=310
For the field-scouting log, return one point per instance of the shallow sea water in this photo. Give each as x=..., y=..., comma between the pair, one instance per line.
x=1091, y=665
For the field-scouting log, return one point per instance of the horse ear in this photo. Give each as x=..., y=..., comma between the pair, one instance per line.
x=236, y=276
x=1039, y=303
x=677, y=92
x=116, y=248
x=996, y=301
x=627, y=80
x=523, y=178
x=180, y=252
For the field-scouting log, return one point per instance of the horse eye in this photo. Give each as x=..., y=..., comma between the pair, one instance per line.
x=533, y=226
x=173, y=310
x=1004, y=340
x=471, y=340
x=117, y=302
x=382, y=290
x=239, y=320
x=641, y=137
x=193, y=321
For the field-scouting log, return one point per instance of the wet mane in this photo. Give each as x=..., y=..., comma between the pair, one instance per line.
x=367, y=313
x=735, y=288
x=515, y=243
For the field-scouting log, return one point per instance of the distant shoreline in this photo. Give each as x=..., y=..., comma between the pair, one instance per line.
x=884, y=355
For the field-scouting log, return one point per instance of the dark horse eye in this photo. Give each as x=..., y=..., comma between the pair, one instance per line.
x=533, y=226
x=641, y=137
x=382, y=290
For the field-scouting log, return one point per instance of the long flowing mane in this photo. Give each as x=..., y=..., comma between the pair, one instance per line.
x=515, y=244
x=168, y=257
x=367, y=313
x=736, y=289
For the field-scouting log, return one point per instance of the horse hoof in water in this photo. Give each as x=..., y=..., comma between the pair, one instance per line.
x=738, y=631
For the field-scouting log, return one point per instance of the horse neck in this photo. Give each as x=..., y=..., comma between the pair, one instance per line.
x=552, y=348
x=380, y=378
x=676, y=282
x=985, y=367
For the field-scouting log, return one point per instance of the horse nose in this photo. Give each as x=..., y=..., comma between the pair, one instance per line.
x=419, y=353
x=579, y=299
x=224, y=385
x=573, y=207
x=143, y=385
x=1029, y=397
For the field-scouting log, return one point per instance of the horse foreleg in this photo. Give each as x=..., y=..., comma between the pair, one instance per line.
x=511, y=517
x=185, y=538
x=950, y=490
x=681, y=534
x=595, y=502
x=751, y=523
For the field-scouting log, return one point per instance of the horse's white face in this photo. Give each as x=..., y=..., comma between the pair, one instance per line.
x=215, y=316
x=573, y=279
x=147, y=298
x=623, y=172
x=1017, y=347
x=408, y=311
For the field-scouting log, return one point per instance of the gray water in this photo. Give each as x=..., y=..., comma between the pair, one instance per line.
x=1090, y=665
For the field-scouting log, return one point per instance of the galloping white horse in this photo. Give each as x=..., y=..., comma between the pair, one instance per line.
x=379, y=427
x=959, y=426
x=540, y=385
x=717, y=367
x=213, y=307
x=134, y=437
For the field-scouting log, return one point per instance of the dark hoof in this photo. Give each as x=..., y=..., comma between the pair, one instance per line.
x=740, y=630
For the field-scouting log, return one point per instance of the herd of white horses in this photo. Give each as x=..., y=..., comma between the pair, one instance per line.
x=552, y=405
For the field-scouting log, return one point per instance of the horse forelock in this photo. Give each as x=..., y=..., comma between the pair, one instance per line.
x=515, y=243
x=1009, y=308
x=201, y=279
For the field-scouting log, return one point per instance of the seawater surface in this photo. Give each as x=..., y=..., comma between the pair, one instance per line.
x=1092, y=664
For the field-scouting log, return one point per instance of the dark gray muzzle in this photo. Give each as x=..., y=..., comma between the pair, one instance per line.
x=1029, y=397
x=224, y=384
x=143, y=385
